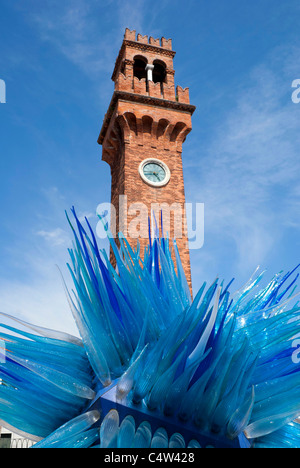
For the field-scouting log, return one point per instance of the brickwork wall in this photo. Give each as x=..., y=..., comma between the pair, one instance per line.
x=152, y=137
x=141, y=130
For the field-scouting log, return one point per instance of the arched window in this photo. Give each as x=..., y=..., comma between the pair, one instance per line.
x=139, y=67
x=159, y=72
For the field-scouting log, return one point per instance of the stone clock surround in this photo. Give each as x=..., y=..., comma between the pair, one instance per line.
x=165, y=168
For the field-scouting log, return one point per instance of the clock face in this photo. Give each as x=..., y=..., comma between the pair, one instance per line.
x=154, y=172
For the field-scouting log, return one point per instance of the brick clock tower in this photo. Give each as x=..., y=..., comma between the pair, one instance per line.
x=142, y=136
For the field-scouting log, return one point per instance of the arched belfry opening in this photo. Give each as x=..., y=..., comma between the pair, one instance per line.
x=159, y=72
x=139, y=67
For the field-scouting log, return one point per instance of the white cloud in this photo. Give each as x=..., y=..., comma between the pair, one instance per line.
x=42, y=302
x=132, y=14
x=31, y=287
x=73, y=28
x=249, y=176
x=33, y=290
x=56, y=237
x=77, y=30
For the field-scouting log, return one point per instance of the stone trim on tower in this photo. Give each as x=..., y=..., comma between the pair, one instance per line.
x=143, y=99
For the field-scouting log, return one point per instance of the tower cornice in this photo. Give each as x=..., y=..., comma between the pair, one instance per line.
x=132, y=97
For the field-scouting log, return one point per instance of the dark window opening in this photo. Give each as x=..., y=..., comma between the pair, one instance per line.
x=5, y=440
x=159, y=73
x=139, y=68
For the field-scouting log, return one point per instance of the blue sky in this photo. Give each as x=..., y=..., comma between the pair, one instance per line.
x=241, y=160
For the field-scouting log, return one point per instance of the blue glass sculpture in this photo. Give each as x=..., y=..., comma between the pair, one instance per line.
x=155, y=368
